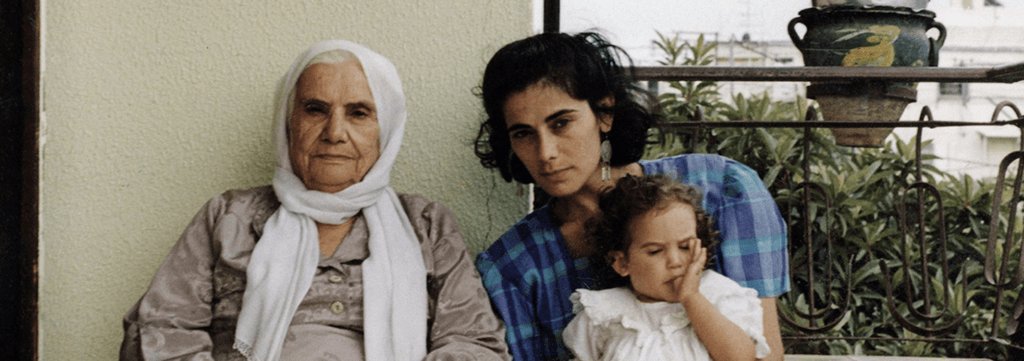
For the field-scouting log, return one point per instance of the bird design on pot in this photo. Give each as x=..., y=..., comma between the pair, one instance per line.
x=882, y=54
x=857, y=36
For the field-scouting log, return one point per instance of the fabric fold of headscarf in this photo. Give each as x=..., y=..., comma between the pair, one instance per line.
x=285, y=259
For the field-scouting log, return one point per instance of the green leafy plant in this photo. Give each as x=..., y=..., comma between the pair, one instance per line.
x=865, y=210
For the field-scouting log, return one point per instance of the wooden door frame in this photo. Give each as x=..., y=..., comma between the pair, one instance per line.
x=19, y=177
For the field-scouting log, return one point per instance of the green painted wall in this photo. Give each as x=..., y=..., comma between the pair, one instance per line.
x=151, y=108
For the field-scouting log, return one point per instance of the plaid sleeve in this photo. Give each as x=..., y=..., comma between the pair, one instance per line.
x=521, y=329
x=753, y=250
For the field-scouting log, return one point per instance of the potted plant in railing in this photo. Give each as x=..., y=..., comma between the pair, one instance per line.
x=866, y=33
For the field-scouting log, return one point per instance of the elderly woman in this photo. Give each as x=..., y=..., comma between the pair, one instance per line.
x=330, y=263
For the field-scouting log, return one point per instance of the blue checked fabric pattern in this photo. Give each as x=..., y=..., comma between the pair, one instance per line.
x=529, y=274
x=753, y=233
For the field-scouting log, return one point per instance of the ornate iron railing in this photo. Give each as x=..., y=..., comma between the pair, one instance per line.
x=916, y=309
x=933, y=326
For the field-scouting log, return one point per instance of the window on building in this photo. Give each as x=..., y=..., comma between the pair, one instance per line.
x=996, y=148
x=952, y=89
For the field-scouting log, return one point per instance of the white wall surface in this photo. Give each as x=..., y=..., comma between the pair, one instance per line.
x=153, y=107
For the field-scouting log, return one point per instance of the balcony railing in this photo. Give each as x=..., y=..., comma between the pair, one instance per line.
x=912, y=308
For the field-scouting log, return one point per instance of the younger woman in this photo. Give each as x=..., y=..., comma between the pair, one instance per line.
x=564, y=114
x=655, y=236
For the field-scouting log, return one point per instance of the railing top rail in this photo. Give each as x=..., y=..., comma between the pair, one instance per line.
x=1009, y=73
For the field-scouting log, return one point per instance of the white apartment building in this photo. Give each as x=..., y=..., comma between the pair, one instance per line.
x=978, y=35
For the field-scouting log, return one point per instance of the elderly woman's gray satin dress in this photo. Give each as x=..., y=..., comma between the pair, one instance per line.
x=191, y=307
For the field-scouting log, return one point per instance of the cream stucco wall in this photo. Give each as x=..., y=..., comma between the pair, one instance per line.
x=153, y=107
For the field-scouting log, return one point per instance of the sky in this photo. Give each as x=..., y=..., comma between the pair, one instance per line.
x=632, y=24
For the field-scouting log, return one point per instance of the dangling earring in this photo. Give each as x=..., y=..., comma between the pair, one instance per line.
x=606, y=157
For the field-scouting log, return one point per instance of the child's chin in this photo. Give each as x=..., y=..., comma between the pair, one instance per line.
x=645, y=298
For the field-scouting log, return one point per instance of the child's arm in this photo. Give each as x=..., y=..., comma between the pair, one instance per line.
x=723, y=338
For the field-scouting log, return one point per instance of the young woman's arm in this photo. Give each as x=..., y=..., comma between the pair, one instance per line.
x=759, y=237
x=771, y=329
x=522, y=330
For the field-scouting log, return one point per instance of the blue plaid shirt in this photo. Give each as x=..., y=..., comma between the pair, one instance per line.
x=529, y=274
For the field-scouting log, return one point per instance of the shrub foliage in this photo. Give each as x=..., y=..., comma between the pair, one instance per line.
x=855, y=198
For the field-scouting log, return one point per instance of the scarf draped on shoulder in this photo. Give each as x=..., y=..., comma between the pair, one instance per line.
x=285, y=258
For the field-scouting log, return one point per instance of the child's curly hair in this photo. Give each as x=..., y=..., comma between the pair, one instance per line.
x=631, y=198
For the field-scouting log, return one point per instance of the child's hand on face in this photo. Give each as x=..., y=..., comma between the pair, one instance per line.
x=686, y=285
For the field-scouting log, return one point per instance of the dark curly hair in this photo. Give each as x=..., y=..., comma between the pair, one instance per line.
x=631, y=198
x=586, y=67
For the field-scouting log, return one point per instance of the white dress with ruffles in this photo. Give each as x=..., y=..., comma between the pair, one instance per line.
x=612, y=324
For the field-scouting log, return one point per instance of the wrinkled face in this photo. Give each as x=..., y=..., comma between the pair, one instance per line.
x=556, y=136
x=333, y=136
x=659, y=251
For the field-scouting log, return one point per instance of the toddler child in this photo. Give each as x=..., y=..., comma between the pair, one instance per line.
x=667, y=305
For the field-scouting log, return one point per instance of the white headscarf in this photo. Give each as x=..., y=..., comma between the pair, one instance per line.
x=285, y=259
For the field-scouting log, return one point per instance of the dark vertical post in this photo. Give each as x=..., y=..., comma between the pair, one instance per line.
x=19, y=179
x=808, y=237
x=552, y=14
x=1016, y=332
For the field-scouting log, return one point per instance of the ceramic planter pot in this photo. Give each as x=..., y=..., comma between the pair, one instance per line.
x=874, y=36
x=913, y=4
x=866, y=36
x=862, y=102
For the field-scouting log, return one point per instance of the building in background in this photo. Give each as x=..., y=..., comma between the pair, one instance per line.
x=979, y=34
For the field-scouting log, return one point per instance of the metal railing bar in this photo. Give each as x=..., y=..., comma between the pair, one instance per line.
x=1009, y=73
x=905, y=339
x=832, y=124
x=819, y=338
